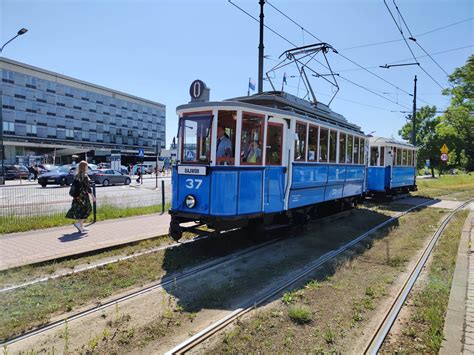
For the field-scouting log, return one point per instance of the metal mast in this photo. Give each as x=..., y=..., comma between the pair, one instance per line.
x=260, y=50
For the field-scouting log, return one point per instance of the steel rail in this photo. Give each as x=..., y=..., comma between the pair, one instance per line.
x=204, y=334
x=169, y=280
x=391, y=315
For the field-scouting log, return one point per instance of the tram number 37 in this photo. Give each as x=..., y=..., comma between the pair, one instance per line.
x=193, y=183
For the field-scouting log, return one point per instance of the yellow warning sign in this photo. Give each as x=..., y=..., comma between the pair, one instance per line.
x=444, y=149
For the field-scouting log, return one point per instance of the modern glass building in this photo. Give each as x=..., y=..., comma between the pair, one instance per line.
x=48, y=116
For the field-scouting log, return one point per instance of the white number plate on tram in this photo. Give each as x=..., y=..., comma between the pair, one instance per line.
x=192, y=170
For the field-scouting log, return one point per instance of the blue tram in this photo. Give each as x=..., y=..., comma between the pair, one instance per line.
x=392, y=167
x=264, y=158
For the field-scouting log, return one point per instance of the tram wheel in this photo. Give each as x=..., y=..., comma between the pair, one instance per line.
x=175, y=230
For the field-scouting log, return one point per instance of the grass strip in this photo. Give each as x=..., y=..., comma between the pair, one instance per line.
x=446, y=184
x=341, y=297
x=14, y=224
x=423, y=332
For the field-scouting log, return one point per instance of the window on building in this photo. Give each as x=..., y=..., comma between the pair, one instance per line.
x=69, y=133
x=374, y=154
x=356, y=150
x=350, y=146
x=332, y=146
x=31, y=129
x=313, y=143
x=323, y=145
x=300, y=142
x=274, y=143
x=251, y=141
x=9, y=127
x=342, y=147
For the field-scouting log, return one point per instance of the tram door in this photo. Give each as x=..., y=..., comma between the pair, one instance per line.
x=275, y=173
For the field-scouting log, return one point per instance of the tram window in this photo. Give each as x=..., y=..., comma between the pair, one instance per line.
x=399, y=156
x=404, y=157
x=312, y=143
x=350, y=143
x=194, y=132
x=274, y=143
x=332, y=146
x=342, y=148
x=410, y=157
x=362, y=151
x=251, y=139
x=225, y=145
x=300, y=142
x=323, y=144
x=356, y=150
x=382, y=156
x=374, y=153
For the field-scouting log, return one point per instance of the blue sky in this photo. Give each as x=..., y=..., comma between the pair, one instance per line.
x=155, y=49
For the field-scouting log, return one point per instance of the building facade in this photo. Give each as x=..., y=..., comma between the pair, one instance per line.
x=51, y=117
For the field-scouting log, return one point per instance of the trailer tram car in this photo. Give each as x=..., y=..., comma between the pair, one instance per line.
x=392, y=167
x=284, y=158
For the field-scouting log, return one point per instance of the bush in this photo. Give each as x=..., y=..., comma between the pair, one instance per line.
x=300, y=315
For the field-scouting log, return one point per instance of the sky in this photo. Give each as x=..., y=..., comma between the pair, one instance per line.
x=155, y=49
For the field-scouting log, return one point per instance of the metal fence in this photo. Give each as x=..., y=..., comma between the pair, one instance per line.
x=31, y=202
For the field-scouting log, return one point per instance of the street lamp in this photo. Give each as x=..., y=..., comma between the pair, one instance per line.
x=19, y=33
x=2, y=147
x=413, y=117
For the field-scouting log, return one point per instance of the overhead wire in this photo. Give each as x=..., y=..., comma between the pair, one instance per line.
x=399, y=40
x=294, y=45
x=406, y=42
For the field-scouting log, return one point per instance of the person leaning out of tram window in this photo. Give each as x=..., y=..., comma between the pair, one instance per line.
x=81, y=192
x=224, y=146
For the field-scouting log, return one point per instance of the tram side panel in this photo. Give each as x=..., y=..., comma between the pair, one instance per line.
x=377, y=178
x=402, y=176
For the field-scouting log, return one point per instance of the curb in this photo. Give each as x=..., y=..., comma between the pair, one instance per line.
x=456, y=311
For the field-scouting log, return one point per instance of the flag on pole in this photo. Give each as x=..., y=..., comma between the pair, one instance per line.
x=284, y=81
x=251, y=86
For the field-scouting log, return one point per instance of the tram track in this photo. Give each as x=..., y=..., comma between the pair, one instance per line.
x=222, y=323
x=164, y=282
x=378, y=337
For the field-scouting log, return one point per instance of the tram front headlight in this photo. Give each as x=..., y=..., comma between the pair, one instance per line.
x=190, y=201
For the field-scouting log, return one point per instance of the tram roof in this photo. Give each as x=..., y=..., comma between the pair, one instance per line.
x=389, y=142
x=282, y=102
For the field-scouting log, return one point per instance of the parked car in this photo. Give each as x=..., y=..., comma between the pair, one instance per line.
x=108, y=177
x=13, y=172
x=103, y=166
x=63, y=176
x=48, y=167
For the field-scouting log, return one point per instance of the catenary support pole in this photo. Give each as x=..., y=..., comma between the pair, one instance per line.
x=162, y=196
x=94, y=203
x=413, y=133
x=260, y=50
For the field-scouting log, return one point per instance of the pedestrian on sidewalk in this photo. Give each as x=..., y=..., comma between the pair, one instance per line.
x=139, y=174
x=81, y=193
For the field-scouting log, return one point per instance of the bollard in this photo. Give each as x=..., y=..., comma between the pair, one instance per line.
x=94, y=203
x=162, y=196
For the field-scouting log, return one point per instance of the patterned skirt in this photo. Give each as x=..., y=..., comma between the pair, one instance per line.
x=81, y=207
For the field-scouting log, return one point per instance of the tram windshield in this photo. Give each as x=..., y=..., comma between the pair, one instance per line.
x=195, y=136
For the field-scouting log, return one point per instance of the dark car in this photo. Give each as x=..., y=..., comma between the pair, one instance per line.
x=63, y=176
x=108, y=177
x=15, y=172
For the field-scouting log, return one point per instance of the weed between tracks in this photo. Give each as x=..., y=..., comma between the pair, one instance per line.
x=330, y=312
x=422, y=329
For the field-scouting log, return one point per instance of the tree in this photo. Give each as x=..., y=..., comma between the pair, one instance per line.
x=427, y=137
x=457, y=123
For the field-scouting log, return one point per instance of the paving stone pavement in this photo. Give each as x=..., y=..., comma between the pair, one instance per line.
x=468, y=347
x=32, y=247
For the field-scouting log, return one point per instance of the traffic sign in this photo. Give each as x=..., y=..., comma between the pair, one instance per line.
x=444, y=157
x=444, y=149
x=141, y=153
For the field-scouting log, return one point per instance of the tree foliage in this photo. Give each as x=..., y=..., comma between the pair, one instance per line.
x=455, y=127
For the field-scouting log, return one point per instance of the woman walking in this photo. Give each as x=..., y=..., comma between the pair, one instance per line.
x=81, y=192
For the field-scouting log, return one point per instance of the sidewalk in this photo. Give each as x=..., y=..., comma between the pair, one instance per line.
x=32, y=247
x=459, y=321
